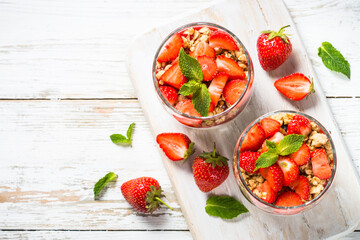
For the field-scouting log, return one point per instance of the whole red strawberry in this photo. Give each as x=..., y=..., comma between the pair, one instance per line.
x=144, y=194
x=273, y=48
x=210, y=170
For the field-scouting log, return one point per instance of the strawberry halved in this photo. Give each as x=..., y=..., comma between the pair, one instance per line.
x=301, y=156
x=208, y=67
x=222, y=40
x=288, y=199
x=176, y=146
x=169, y=93
x=302, y=187
x=266, y=192
x=320, y=164
x=270, y=126
x=202, y=48
x=171, y=49
x=295, y=86
x=216, y=87
x=276, y=139
x=299, y=125
x=233, y=90
x=274, y=176
x=247, y=160
x=289, y=168
x=230, y=67
x=173, y=76
x=186, y=106
x=253, y=139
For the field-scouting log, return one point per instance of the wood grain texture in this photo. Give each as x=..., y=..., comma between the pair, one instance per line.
x=253, y=17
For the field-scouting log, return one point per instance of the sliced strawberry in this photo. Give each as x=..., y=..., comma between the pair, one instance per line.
x=276, y=139
x=233, y=90
x=253, y=139
x=299, y=125
x=274, y=176
x=208, y=67
x=295, y=86
x=171, y=49
x=176, y=146
x=230, y=67
x=216, y=87
x=302, y=187
x=169, y=93
x=288, y=199
x=222, y=40
x=270, y=126
x=301, y=156
x=247, y=160
x=186, y=106
x=289, y=168
x=202, y=48
x=173, y=76
x=266, y=192
x=320, y=164
x=211, y=107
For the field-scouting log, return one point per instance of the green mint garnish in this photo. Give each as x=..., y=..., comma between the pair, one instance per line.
x=191, y=69
x=333, y=59
x=224, y=207
x=289, y=144
x=103, y=182
x=121, y=139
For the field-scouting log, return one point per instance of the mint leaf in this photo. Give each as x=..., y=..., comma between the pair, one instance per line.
x=201, y=100
x=121, y=139
x=189, y=88
x=333, y=59
x=267, y=159
x=224, y=207
x=103, y=182
x=271, y=144
x=290, y=144
x=190, y=67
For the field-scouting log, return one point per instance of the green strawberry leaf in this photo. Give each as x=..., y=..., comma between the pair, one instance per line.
x=103, y=182
x=189, y=88
x=190, y=67
x=201, y=100
x=271, y=144
x=333, y=59
x=224, y=207
x=267, y=159
x=121, y=139
x=214, y=158
x=290, y=144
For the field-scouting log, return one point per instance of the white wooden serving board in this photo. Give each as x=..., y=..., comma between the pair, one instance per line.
x=336, y=215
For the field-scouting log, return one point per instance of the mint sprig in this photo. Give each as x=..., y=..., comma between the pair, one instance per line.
x=289, y=144
x=224, y=207
x=103, y=182
x=191, y=69
x=121, y=139
x=333, y=59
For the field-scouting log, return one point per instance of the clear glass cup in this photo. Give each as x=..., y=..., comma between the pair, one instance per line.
x=261, y=204
x=215, y=120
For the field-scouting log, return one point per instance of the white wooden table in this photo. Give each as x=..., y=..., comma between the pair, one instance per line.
x=64, y=89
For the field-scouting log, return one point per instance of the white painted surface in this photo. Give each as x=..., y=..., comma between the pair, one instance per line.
x=76, y=49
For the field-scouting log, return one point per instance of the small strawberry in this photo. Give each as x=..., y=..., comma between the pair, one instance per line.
x=208, y=67
x=202, y=48
x=186, y=106
x=247, y=160
x=302, y=187
x=171, y=49
x=210, y=170
x=276, y=139
x=288, y=199
x=253, y=139
x=169, y=93
x=273, y=49
x=221, y=39
x=274, y=176
x=144, y=194
x=301, y=156
x=270, y=126
x=233, y=90
x=266, y=192
x=230, y=67
x=295, y=86
x=289, y=168
x=176, y=146
x=173, y=76
x=320, y=164
x=299, y=125
x=216, y=87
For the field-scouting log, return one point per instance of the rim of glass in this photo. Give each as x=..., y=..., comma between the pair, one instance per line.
x=328, y=185
x=250, y=70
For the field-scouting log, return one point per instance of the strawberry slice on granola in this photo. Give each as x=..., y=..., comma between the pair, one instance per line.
x=171, y=49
